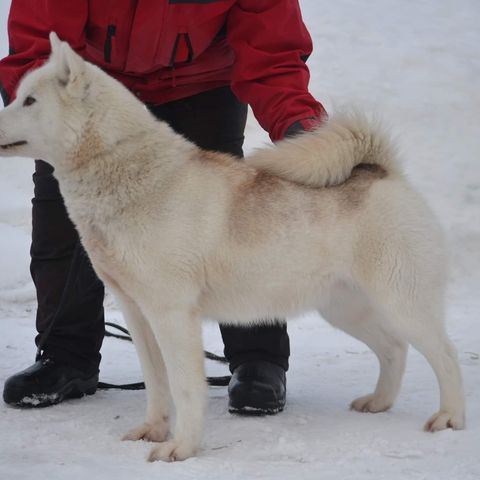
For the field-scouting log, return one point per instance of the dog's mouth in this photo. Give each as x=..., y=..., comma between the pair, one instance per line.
x=14, y=144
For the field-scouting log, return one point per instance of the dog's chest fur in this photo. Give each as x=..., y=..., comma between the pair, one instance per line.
x=106, y=263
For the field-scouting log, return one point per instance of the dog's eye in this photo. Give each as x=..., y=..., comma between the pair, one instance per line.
x=28, y=101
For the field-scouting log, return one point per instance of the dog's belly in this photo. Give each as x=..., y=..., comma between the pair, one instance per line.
x=244, y=309
x=242, y=302
x=282, y=276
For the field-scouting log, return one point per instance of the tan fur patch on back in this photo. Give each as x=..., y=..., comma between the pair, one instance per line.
x=352, y=192
x=217, y=158
x=259, y=183
x=253, y=208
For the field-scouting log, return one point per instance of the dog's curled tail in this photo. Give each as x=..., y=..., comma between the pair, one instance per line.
x=327, y=155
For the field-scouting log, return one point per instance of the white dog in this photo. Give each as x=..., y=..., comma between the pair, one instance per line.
x=324, y=222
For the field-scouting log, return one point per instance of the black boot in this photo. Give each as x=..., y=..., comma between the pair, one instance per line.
x=48, y=382
x=257, y=387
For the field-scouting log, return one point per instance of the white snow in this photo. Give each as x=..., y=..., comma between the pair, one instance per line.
x=417, y=64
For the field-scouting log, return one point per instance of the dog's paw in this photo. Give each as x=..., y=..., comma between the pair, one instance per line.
x=371, y=403
x=171, y=451
x=152, y=432
x=442, y=420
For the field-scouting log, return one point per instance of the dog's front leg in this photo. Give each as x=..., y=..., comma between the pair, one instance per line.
x=156, y=427
x=178, y=333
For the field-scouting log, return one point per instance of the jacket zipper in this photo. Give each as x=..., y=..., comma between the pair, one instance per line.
x=186, y=39
x=111, y=30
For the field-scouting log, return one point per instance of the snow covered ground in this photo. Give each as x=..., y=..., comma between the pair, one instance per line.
x=416, y=63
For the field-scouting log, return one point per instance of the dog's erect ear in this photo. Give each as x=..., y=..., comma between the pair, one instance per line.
x=55, y=43
x=75, y=63
x=69, y=65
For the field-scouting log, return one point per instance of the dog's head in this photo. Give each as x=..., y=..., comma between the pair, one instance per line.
x=48, y=98
x=58, y=102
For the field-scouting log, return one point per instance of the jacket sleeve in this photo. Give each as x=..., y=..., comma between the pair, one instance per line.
x=271, y=45
x=29, y=24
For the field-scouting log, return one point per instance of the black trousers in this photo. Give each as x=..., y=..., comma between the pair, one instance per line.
x=214, y=120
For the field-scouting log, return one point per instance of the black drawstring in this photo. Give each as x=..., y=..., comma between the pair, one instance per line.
x=214, y=381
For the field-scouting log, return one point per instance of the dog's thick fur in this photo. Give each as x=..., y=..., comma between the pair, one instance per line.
x=178, y=234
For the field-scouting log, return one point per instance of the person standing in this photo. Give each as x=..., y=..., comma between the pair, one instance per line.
x=196, y=65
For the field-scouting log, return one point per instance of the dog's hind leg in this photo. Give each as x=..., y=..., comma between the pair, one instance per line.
x=350, y=310
x=412, y=296
x=441, y=354
x=424, y=329
x=155, y=428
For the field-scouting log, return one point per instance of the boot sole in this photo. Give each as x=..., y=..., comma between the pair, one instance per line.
x=254, y=402
x=254, y=411
x=252, y=405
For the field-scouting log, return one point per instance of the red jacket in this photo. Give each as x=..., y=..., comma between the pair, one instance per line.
x=163, y=50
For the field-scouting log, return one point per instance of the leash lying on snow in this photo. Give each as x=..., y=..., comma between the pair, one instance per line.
x=73, y=272
x=213, y=381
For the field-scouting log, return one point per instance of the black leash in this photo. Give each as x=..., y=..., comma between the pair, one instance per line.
x=213, y=381
x=73, y=271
